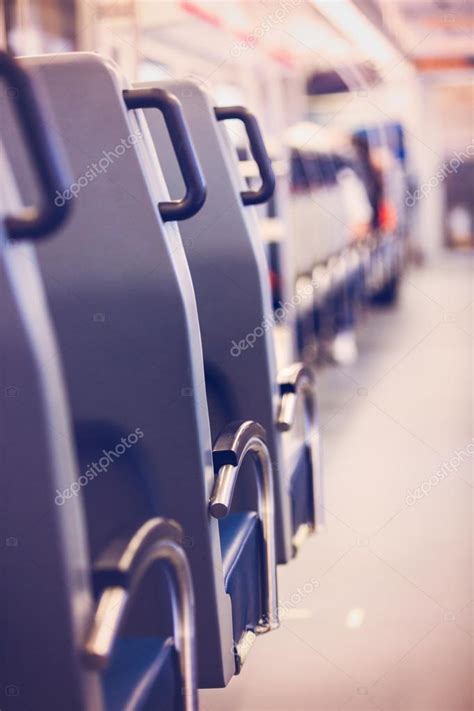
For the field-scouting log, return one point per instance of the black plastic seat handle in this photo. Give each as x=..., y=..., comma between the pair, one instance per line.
x=259, y=153
x=170, y=107
x=48, y=167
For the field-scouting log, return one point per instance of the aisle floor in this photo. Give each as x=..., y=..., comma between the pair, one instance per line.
x=377, y=611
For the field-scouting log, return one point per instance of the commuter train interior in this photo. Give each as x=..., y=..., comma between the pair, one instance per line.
x=236, y=328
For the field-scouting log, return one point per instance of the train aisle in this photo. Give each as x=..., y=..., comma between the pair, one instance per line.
x=377, y=611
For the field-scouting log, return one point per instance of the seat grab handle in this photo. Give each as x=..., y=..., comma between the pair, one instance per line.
x=172, y=111
x=46, y=159
x=259, y=153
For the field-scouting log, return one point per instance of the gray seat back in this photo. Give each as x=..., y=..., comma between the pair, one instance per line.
x=230, y=276
x=123, y=306
x=46, y=604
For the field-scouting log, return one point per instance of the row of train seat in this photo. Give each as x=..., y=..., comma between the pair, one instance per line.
x=335, y=234
x=155, y=472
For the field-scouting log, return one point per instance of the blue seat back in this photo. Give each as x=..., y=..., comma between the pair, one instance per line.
x=123, y=306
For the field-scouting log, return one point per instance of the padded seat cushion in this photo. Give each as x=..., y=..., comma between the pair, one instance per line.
x=243, y=560
x=301, y=490
x=144, y=675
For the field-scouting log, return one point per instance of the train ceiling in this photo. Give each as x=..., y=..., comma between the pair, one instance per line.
x=432, y=33
x=317, y=35
x=306, y=35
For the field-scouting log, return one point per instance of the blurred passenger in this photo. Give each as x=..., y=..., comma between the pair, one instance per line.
x=371, y=175
x=358, y=211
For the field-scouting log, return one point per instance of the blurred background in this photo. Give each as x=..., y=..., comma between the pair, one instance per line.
x=377, y=611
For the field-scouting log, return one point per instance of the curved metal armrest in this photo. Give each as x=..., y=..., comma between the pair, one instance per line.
x=233, y=445
x=296, y=380
x=116, y=577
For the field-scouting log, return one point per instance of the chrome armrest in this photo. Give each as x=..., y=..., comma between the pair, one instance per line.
x=233, y=445
x=296, y=380
x=117, y=575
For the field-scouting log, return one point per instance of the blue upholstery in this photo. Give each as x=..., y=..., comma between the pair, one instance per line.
x=242, y=559
x=345, y=315
x=149, y=663
x=301, y=490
